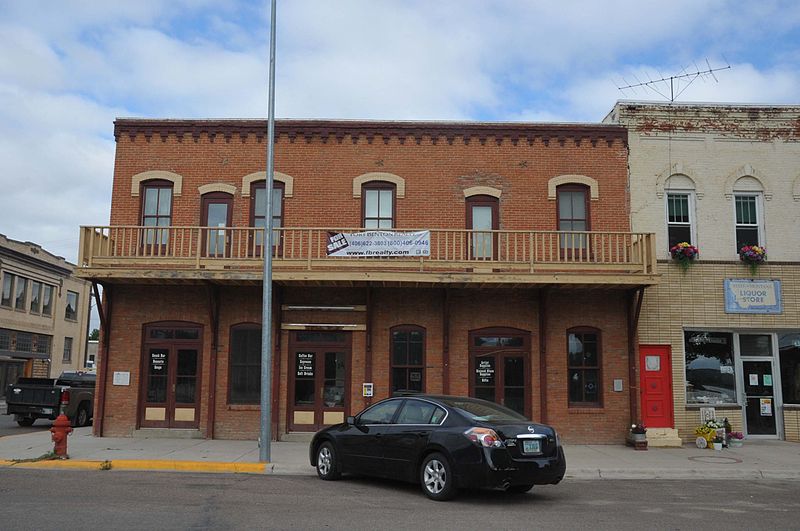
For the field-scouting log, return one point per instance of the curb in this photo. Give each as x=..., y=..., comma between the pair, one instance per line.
x=144, y=464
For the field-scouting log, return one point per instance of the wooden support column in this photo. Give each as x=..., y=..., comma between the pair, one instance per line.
x=103, y=352
x=276, y=359
x=543, y=354
x=368, y=353
x=446, y=341
x=213, y=317
x=634, y=308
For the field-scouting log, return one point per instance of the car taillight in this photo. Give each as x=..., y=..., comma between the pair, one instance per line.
x=484, y=437
x=65, y=397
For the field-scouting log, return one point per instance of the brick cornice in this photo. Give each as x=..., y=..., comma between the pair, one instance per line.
x=358, y=130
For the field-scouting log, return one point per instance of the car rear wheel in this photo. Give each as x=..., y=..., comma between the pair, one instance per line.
x=519, y=489
x=25, y=422
x=437, y=478
x=327, y=465
x=82, y=417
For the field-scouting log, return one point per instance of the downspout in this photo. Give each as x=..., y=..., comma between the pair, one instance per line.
x=543, y=354
x=213, y=314
x=635, y=298
x=446, y=341
x=104, y=311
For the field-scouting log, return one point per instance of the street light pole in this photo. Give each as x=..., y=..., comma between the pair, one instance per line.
x=266, y=303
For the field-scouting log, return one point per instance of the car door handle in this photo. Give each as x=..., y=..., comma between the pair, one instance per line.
x=378, y=435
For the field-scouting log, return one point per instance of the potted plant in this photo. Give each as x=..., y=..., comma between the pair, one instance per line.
x=707, y=432
x=735, y=439
x=717, y=442
x=753, y=256
x=637, y=436
x=684, y=253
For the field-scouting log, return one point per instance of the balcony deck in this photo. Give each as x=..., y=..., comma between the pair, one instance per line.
x=458, y=257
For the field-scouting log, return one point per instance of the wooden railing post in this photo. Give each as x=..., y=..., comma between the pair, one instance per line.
x=199, y=248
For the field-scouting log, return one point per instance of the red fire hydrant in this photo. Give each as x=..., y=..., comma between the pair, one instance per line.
x=60, y=430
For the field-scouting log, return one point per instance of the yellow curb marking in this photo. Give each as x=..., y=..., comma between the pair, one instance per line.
x=146, y=464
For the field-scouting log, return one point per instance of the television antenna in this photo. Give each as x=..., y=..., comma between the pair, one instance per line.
x=674, y=82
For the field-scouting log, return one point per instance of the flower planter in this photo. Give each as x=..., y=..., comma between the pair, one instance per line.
x=717, y=446
x=637, y=440
x=735, y=443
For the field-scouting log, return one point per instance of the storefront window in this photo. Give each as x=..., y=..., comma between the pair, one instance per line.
x=789, y=352
x=710, y=375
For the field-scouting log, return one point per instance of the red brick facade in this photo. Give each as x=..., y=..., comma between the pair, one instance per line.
x=437, y=162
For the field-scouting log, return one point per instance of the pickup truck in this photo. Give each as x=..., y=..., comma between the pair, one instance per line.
x=72, y=393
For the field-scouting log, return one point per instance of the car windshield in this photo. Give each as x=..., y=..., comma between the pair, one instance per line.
x=482, y=410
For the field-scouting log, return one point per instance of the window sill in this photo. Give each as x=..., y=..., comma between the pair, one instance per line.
x=586, y=410
x=244, y=407
x=791, y=406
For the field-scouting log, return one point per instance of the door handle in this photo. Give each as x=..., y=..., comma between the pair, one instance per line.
x=378, y=435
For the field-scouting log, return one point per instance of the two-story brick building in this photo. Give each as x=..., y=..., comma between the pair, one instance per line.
x=720, y=177
x=527, y=294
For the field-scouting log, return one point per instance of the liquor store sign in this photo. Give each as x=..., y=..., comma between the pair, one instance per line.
x=744, y=295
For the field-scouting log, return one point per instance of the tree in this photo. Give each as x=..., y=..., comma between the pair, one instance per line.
x=94, y=334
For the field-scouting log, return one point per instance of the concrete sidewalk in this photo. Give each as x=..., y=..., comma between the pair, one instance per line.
x=756, y=460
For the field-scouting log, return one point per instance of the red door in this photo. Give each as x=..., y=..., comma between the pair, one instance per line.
x=655, y=380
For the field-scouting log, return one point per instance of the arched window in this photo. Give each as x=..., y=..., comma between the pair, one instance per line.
x=244, y=369
x=258, y=210
x=483, y=214
x=156, y=210
x=378, y=205
x=584, y=367
x=408, y=358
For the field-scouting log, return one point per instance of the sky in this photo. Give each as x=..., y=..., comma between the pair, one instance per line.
x=68, y=68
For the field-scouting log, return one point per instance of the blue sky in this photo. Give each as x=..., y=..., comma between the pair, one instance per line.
x=68, y=68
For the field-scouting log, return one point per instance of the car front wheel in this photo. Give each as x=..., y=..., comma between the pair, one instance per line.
x=327, y=466
x=437, y=478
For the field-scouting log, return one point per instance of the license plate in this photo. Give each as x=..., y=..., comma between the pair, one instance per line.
x=531, y=446
x=47, y=410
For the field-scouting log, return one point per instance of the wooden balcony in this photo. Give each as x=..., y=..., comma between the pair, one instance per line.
x=457, y=257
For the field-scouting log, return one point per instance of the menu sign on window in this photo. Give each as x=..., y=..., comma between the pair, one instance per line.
x=305, y=365
x=158, y=361
x=484, y=372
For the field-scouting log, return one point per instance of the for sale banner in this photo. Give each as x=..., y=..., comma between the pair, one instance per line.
x=379, y=243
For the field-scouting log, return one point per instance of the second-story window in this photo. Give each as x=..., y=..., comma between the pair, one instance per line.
x=47, y=300
x=8, y=282
x=71, y=311
x=747, y=220
x=258, y=210
x=20, y=293
x=36, y=298
x=679, y=218
x=378, y=205
x=483, y=214
x=156, y=211
x=573, y=215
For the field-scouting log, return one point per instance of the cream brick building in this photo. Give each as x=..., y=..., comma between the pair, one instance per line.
x=719, y=177
x=44, y=312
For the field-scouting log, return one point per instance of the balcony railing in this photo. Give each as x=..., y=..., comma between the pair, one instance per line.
x=305, y=249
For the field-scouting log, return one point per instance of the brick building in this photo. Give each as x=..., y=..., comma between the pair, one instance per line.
x=528, y=294
x=720, y=177
x=44, y=313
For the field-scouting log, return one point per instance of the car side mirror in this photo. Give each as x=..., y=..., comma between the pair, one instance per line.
x=351, y=421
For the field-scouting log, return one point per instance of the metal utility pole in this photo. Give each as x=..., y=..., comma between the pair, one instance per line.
x=266, y=303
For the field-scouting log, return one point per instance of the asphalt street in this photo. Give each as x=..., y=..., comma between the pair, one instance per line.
x=9, y=427
x=45, y=499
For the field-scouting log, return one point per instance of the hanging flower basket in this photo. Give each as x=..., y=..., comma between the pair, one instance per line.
x=684, y=253
x=753, y=256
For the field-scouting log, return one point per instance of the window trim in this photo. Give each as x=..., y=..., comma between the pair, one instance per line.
x=600, y=403
x=759, y=196
x=378, y=185
x=392, y=366
x=691, y=205
x=239, y=326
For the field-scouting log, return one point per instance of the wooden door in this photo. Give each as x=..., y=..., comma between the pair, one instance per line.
x=216, y=215
x=655, y=381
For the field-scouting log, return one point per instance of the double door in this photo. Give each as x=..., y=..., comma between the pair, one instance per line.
x=171, y=386
x=318, y=394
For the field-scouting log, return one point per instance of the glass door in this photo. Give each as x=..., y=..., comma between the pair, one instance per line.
x=500, y=378
x=171, y=398
x=482, y=215
x=319, y=390
x=759, y=385
x=217, y=217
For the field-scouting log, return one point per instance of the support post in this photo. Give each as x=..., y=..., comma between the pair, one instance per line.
x=543, y=354
x=634, y=308
x=213, y=316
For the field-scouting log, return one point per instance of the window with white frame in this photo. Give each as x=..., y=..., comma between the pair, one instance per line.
x=748, y=220
x=680, y=218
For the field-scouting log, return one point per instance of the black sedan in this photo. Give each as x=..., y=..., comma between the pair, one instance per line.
x=444, y=443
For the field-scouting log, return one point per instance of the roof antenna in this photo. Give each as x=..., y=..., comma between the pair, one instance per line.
x=673, y=82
